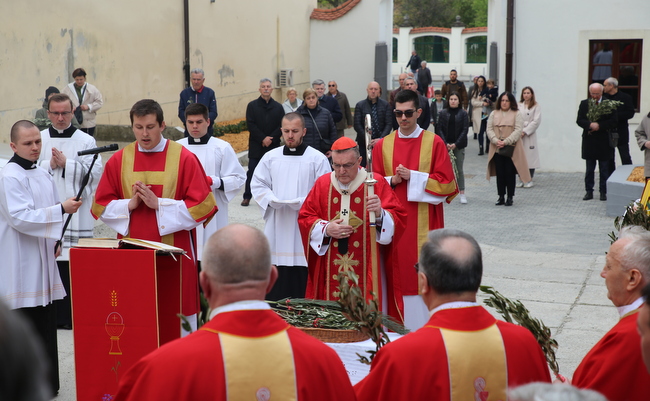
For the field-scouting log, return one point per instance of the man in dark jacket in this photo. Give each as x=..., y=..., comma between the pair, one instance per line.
x=381, y=115
x=595, y=142
x=624, y=112
x=344, y=105
x=198, y=93
x=327, y=102
x=424, y=79
x=263, y=118
x=454, y=85
x=414, y=62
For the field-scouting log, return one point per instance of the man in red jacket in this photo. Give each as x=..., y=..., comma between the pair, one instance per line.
x=614, y=366
x=462, y=353
x=246, y=351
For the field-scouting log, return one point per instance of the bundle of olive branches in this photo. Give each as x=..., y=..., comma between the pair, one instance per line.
x=597, y=110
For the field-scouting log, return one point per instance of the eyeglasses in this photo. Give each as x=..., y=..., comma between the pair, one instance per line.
x=416, y=267
x=346, y=166
x=62, y=114
x=331, y=86
x=407, y=113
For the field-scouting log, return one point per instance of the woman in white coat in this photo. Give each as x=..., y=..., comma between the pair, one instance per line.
x=532, y=116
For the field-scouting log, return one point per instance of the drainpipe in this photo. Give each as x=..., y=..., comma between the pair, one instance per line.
x=509, y=39
x=186, y=33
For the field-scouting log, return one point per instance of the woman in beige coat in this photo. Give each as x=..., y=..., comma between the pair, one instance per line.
x=532, y=114
x=504, y=128
x=642, y=134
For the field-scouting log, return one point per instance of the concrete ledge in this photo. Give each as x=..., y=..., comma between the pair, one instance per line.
x=620, y=191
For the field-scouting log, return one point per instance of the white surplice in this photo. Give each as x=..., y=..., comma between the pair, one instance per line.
x=280, y=185
x=221, y=164
x=68, y=181
x=31, y=221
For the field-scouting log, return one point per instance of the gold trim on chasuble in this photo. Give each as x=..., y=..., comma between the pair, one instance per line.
x=484, y=376
x=348, y=261
x=258, y=368
x=166, y=178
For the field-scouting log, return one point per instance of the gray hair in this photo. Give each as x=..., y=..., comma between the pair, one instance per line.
x=423, y=63
x=612, y=81
x=450, y=270
x=198, y=71
x=237, y=253
x=636, y=253
x=553, y=392
x=317, y=82
x=265, y=80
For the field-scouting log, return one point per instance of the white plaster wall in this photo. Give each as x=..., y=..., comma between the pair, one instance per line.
x=343, y=50
x=552, y=58
x=134, y=49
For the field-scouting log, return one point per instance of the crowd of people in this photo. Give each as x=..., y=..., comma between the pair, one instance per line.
x=324, y=213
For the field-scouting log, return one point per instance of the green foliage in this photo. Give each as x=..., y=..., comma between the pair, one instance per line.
x=220, y=130
x=330, y=3
x=635, y=215
x=440, y=13
x=515, y=311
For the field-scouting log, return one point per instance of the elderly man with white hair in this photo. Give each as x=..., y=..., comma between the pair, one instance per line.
x=614, y=366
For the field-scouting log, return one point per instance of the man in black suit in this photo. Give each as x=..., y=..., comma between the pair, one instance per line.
x=595, y=142
x=624, y=112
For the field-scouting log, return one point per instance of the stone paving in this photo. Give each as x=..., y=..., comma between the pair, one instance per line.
x=547, y=251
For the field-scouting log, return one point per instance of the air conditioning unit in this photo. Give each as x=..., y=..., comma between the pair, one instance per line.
x=285, y=77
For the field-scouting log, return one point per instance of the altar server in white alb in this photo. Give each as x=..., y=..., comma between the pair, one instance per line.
x=282, y=181
x=60, y=144
x=31, y=220
x=225, y=173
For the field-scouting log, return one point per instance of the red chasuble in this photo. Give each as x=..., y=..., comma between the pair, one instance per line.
x=459, y=355
x=428, y=154
x=174, y=173
x=240, y=355
x=324, y=204
x=614, y=366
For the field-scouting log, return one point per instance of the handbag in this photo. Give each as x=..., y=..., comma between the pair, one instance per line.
x=325, y=145
x=78, y=113
x=612, y=136
x=506, y=151
x=431, y=92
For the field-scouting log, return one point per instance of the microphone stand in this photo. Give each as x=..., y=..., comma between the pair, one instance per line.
x=84, y=182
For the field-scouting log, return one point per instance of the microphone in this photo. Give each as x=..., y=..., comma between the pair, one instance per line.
x=101, y=149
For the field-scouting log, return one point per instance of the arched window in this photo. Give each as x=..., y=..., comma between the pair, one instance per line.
x=395, y=41
x=434, y=49
x=476, y=49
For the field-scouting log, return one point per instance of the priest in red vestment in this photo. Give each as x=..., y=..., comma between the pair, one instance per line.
x=462, y=353
x=416, y=164
x=246, y=351
x=614, y=366
x=335, y=226
x=155, y=189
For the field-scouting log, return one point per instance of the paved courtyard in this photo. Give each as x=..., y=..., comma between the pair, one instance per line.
x=547, y=251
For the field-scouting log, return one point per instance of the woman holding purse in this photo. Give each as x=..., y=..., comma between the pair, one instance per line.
x=506, y=157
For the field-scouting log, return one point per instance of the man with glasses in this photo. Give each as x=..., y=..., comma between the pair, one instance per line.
x=337, y=234
x=61, y=142
x=282, y=180
x=463, y=353
x=416, y=164
x=327, y=102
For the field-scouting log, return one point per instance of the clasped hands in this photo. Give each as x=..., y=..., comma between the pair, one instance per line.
x=58, y=159
x=142, y=193
x=401, y=174
x=337, y=230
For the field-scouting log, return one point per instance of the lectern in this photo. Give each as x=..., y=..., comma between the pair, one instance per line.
x=124, y=305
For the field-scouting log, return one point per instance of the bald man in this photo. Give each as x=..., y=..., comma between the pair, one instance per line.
x=246, y=351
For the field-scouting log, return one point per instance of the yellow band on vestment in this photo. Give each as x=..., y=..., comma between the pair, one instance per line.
x=258, y=368
x=484, y=375
x=387, y=149
x=167, y=178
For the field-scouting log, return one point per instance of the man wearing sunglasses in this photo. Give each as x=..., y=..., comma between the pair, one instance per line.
x=415, y=162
